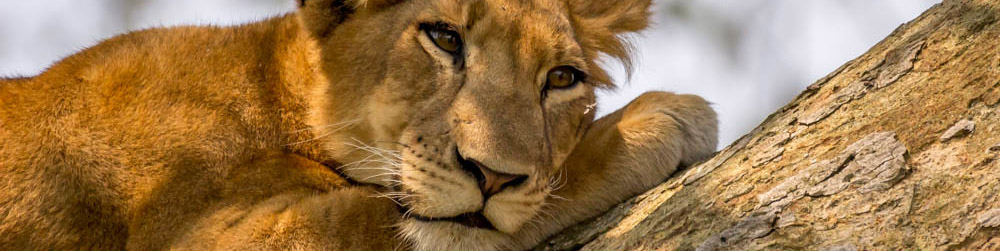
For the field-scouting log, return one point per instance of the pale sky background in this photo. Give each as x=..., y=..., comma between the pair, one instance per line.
x=748, y=57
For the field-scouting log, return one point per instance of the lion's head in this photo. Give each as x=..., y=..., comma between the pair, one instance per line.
x=464, y=108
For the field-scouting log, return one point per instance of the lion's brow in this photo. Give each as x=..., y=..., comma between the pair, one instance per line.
x=477, y=10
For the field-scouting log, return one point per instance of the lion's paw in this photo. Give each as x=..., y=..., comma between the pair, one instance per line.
x=670, y=124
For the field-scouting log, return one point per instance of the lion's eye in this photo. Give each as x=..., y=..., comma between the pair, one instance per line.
x=563, y=77
x=444, y=37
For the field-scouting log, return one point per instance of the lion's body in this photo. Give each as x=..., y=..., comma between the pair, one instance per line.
x=224, y=137
x=144, y=133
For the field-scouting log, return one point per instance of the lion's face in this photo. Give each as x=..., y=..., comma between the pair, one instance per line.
x=465, y=109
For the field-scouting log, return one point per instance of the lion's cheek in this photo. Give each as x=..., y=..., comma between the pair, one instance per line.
x=439, y=194
x=387, y=115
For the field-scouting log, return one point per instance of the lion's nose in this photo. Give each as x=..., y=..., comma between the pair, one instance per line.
x=490, y=182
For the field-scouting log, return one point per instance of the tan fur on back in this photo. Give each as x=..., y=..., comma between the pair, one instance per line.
x=340, y=126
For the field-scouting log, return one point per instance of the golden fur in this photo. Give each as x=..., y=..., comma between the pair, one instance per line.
x=341, y=126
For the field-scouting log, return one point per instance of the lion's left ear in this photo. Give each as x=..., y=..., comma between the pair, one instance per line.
x=321, y=16
x=600, y=22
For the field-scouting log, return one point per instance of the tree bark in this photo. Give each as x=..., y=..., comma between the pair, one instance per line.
x=896, y=150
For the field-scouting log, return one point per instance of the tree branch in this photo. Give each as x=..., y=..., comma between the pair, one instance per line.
x=897, y=149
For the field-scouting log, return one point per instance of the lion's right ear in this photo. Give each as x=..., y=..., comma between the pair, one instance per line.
x=612, y=16
x=321, y=16
x=601, y=22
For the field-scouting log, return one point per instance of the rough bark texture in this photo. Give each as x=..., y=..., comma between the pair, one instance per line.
x=896, y=150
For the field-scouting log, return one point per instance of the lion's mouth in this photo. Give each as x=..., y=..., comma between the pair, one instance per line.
x=473, y=219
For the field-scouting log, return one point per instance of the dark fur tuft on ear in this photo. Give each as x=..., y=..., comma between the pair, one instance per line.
x=373, y=4
x=600, y=24
x=321, y=16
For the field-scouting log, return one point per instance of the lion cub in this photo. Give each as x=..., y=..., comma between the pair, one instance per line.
x=347, y=125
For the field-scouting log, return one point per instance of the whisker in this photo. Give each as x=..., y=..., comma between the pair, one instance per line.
x=392, y=142
x=392, y=182
x=369, y=159
x=559, y=197
x=375, y=168
x=375, y=150
x=377, y=175
x=353, y=121
x=331, y=132
x=558, y=181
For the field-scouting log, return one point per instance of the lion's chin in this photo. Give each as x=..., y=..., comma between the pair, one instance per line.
x=450, y=235
x=472, y=220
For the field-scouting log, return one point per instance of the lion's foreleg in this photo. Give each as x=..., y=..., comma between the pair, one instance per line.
x=625, y=153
